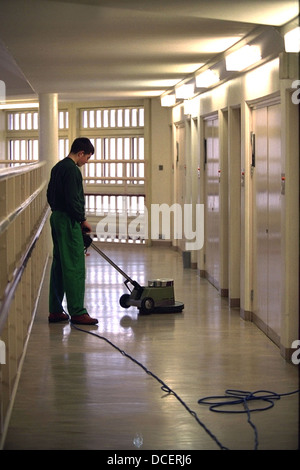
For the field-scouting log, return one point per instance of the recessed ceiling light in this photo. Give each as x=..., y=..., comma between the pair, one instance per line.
x=185, y=91
x=207, y=78
x=243, y=58
x=292, y=40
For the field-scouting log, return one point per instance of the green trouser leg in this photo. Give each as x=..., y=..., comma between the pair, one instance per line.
x=68, y=265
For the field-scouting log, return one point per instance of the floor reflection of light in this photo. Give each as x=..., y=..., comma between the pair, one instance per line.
x=66, y=333
x=105, y=285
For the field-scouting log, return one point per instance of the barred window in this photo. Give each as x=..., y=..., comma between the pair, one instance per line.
x=114, y=178
x=63, y=120
x=117, y=160
x=23, y=149
x=22, y=135
x=63, y=147
x=110, y=118
x=22, y=120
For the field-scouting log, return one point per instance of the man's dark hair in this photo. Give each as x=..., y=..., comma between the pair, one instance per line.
x=82, y=143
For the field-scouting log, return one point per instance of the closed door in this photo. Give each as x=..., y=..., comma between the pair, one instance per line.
x=212, y=198
x=267, y=218
x=180, y=183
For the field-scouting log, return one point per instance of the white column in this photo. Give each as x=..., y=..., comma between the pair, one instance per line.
x=48, y=129
x=48, y=139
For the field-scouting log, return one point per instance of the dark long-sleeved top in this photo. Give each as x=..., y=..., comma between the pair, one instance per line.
x=65, y=190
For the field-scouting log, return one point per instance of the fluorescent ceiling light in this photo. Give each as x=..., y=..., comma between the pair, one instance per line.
x=243, y=58
x=292, y=40
x=207, y=78
x=185, y=91
x=168, y=100
x=216, y=45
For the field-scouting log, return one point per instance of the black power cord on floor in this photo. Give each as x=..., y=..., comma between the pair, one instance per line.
x=164, y=386
x=217, y=403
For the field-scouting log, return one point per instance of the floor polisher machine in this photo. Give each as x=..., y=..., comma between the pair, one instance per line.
x=157, y=297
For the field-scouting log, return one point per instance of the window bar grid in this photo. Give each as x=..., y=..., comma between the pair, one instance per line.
x=112, y=118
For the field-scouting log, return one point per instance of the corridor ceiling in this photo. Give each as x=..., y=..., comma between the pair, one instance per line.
x=120, y=49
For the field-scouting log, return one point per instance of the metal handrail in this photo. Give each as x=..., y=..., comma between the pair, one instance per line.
x=13, y=284
x=6, y=221
x=23, y=168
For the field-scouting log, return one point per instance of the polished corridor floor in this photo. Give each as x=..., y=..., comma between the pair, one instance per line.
x=77, y=391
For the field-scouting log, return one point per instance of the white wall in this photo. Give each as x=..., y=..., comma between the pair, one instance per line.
x=161, y=157
x=271, y=81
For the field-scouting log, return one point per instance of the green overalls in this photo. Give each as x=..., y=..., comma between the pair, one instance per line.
x=66, y=199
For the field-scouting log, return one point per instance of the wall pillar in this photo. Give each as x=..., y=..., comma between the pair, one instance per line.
x=48, y=129
x=48, y=140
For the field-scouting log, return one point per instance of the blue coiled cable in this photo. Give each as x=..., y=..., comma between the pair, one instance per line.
x=232, y=398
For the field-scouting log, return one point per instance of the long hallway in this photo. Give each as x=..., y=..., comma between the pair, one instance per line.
x=77, y=391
